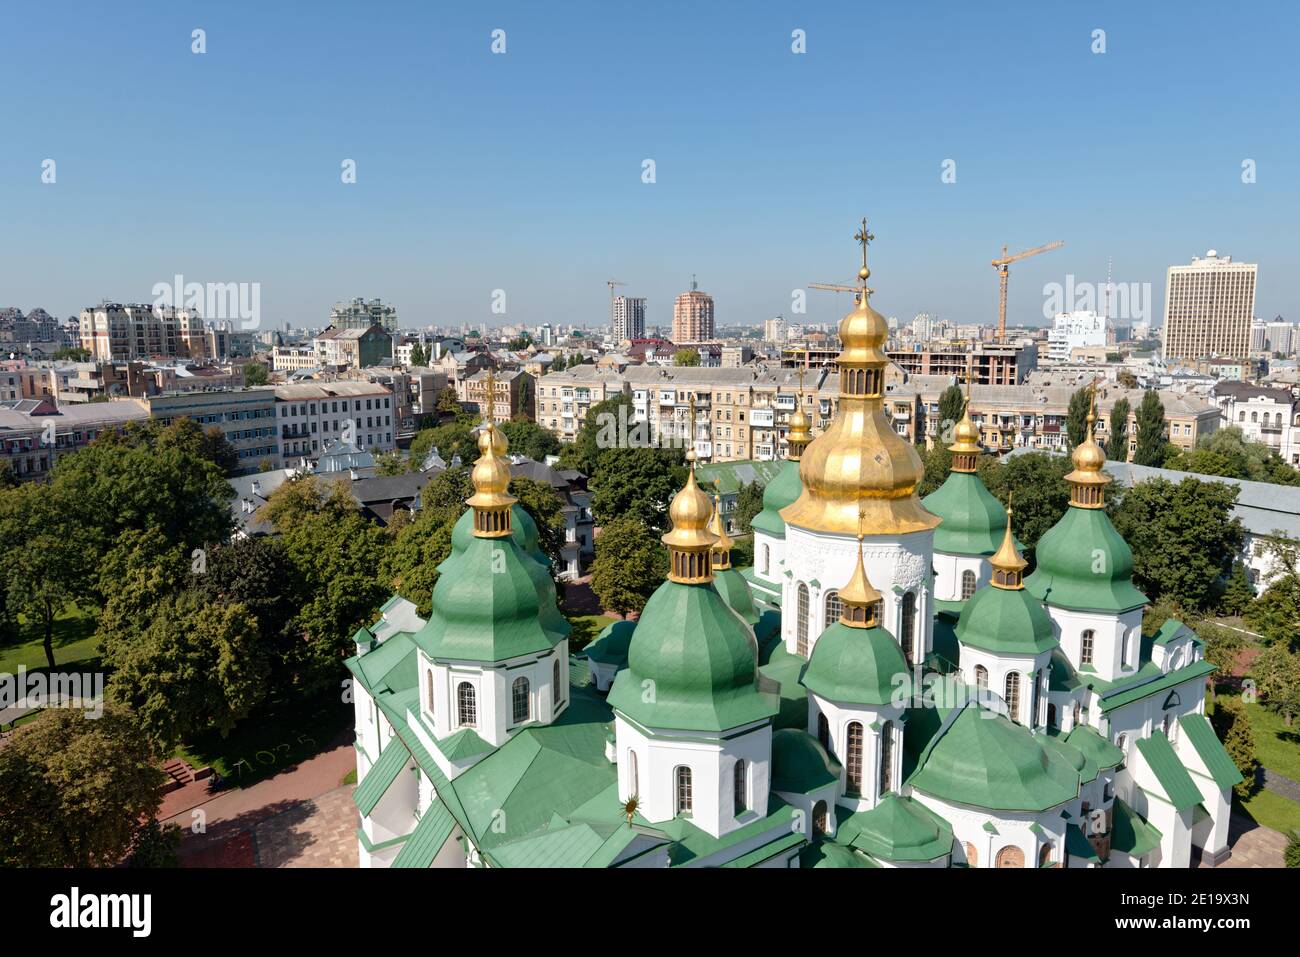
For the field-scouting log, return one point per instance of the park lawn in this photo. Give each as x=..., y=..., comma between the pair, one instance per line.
x=585, y=628
x=1277, y=747
x=74, y=642
x=1272, y=810
x=266, y=744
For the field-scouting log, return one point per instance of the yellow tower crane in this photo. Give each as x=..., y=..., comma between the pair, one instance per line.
x=1001, y=265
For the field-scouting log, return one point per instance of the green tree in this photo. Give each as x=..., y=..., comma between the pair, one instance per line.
x=1291, y=856
x=450, y=439
x=44, y=564
x=1036, y=480
x=196, y=665
x=1222, y=646
x=951, y=405
x=447, y=402
x=937, y=461
x=528, y=438
x=1276, y=613
x=390, y=463
x=686, y=357
x=1076, y=417
x=1232, y=725
x=1277, y=673
x=1151, y=438
x=592, y=440
x=1238, y=593
x=1229, y=453
x=628, y=566
x=748, y=504
x=636, y=483
x=544, y=506
x=156, y=845
x=1126, y=379
x=76, y=791
x=1117, y=433
x=419, y=355
x=1183, y=538
x=256, y=374
x=411, y=562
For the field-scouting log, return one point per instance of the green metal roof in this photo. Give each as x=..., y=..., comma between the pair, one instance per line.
x=974, y=521
x=857, y=666
x=1079, y=760
x=463, y=744
x=492, y=602
x=1131, y=833
x=610, y=646
x=1207, y=744
x=522, y=529
x=1077, y=845
x=1100, y=751
x=691, y=665
x=380, y=776
x=800, y=765
x=427, y=839
x=897, y=829
x=781, y=491
x=827, y=854
x=782, y=670
x=985, y=760
x=1119, y=695
x=1177, y=784
x=1006, y=621
x=1061, y=675
x=726, y=478
x=733, y=588
x=767, y=851
x=387, y=667
x=1084, y=564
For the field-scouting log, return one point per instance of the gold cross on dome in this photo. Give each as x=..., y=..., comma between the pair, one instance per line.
x=864, y=238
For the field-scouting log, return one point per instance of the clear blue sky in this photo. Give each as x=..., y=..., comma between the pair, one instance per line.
x=523, y=171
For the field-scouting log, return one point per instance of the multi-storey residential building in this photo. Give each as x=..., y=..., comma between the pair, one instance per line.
x=513, y=392
x=1083, y=329
x=1209, y=308
x=311, y=415
x=352, y=347
x=1264, y=415
x=112, y=331
x=627, y=315
x=693, y=316
x=986, y=363
x=563, y=398
x=35, y=432
x=246, y=417
x=774, y=330
x=294, y=358
x=1273, y=338
x=362, y=314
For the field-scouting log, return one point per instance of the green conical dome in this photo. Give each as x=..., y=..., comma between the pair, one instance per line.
x=973, y=519
x=492, y=602
x=784, y=489
x=1005, y=620
x=522, y=529
x=800, y=765
x=900, y=829
x=857, y=666
x=1084, y=564
x=985, y=760
x=690, y=665
x=733, y=588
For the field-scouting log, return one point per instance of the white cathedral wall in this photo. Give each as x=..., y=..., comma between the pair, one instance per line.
x=948, y=570
x=771, y=570
x=1010, y=830
x=1109, y=634
x=1143, y=717
x=838, y=718
x=369, y=724
x=712, y=761
x=1031, y=668
x=1138, y=786
x=493, y=693
x=894, y=564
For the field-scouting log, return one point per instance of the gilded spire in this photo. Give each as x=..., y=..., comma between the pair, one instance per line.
x=965, y=448
x=800, y=433
x=723, y=544
x=1008, y=564
x=491, y=500
x=858, y=597
x=1088, y=481
x=690, y=542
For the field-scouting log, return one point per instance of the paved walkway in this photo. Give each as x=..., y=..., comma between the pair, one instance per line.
x=299, y=814
x=1280, y=784
x=1252, y=844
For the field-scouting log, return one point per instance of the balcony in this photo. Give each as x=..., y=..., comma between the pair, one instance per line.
x=762, y=418
x=703, y=450
x=785, y=403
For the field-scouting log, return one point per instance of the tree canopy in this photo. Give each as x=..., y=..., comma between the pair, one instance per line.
x=628, y=567
x=1151, y=438
x=1229, y=453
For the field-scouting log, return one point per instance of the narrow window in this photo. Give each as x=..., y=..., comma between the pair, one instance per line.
x=467, y=710
x=834, y=607
x=1045, y=856
x=907, y=627
x=801, y=622
x=824, y=731
x=684, y=804
x=887, y=757
x=558, y=690
x=634, y=789
x=981, y=677
x=1013, y=694
x=739, y=789
x=820, y=818
x=429, y=686
x=520, y=700
x=1085, y=647
x=853, y=758
x=967, y=584
x=972, y=855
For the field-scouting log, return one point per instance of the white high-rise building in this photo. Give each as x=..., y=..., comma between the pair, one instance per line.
x=775, y=330
x=628, y=318
x=1075, y=330
x=1209, y=307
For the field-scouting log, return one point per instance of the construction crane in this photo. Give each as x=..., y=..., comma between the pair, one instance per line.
x=1001, y=265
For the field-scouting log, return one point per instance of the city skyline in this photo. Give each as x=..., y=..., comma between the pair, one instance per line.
x=503, y=176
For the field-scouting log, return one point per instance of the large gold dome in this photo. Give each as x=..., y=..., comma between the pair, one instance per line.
x=860, y=475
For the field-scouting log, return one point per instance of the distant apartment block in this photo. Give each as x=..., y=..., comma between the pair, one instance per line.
x=1083, y=329
x=353, y=347
x=294, y=358
x=35, y=432
x=627, y=317
x=311, y=415
x=113, y=331
x=513, y=393
x=246, y=417
x=362, y=314
x=985, y=363
x=693, y=316
x=1209, y=308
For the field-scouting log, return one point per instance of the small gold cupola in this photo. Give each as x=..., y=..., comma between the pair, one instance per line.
x=723, y=544
x=690, y=543
x=1008, y=564
x=860, y=600
x=800, y=433
x=491, y=500
x=1088, y=482
x=965, y=448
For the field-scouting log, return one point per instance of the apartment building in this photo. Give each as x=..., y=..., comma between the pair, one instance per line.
x=1264, y=415
x=35, y=432
x=114, y=331
x=564, y=397
x=352, y=347
x=627, y=315
x=986, y=363
x=1209, y=308
x=514, y=392
x=693, y=316
x=292, y=359
x=246, y=417
x=311, y=415
x=362, y=314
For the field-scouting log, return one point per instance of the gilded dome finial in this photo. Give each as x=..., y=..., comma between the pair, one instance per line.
x=722, y=544
x=491, y=500
x=858, y=597
x=1008, y=564
x=1088, y=481
x=690, y=542
x=966, y=438
x=800, y=431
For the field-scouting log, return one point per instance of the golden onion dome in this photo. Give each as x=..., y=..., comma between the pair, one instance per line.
x=966, y=437
x=1087, y=455
x=863, y=332
x=689, y=513
x=491, y=473
x=800, y=425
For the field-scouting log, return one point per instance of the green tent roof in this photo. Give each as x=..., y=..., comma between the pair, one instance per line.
x=1177, y=784
x=733, y=588
x=857, y=666
x=380, y=777
x=1207, y=744
x=973, y=520
x=691, y=665
x=1084, y=564
x=828, y=854
x=610, y=646
x=781, y=491
x=1130, y=833
x=490, y=604
x=428, y=837
x=522, y=529
x=800, y=765
x=1006, y=621
x=1082, y=763
x=897, y=829
x=1100, y=751
x=985, y=760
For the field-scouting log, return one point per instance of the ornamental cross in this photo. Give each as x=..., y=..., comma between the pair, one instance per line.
x=864, y=238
